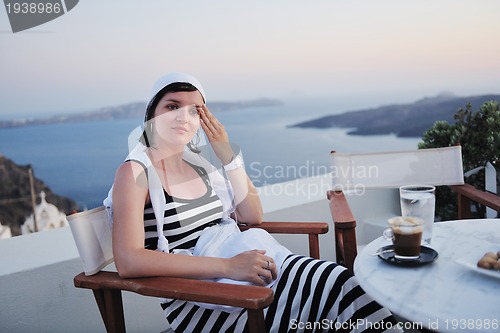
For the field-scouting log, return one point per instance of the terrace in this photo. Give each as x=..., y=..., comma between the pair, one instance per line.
x=37, y=270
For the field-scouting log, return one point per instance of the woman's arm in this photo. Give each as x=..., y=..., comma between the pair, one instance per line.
x=133, y=260
x=248, y=205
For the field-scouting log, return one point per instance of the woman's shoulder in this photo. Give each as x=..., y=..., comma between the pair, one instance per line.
x=131, y=165
x=131, y=170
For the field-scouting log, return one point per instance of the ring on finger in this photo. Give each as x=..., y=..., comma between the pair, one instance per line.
x=268, y=265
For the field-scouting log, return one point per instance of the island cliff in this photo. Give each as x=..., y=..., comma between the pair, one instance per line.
x=403, y=120
x=15, y=195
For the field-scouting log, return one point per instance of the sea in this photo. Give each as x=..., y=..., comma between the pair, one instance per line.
x=78, y=160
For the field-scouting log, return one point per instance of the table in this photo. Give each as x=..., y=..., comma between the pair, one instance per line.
x=443, y=296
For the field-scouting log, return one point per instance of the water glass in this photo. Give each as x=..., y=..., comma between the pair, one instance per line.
x=419, y=201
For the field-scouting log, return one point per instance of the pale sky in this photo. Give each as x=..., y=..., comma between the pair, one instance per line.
x=105, y=53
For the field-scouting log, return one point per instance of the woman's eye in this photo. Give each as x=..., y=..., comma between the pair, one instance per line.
x=193, y=111
x=172, y=107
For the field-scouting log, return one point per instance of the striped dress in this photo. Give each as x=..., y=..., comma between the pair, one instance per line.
x=310, y=295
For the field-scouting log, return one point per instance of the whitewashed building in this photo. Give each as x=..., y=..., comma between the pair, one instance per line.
x=5, y=231
x=47, y=217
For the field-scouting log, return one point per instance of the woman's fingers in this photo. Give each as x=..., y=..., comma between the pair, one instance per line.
x=259, y=268
x=273, y=270
x=270, y=271
x=212, y=126
x=263, y=277
x=216, y=134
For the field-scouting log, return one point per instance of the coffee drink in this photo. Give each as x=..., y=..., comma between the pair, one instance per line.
x=406, y=236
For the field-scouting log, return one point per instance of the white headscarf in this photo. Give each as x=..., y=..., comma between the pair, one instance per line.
x=176, y=78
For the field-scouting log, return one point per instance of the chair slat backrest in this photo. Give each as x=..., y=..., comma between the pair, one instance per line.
x=437, y=166
x=92, y=234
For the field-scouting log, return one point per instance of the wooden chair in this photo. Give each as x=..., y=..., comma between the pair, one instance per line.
x=466, y=194
x=92, y=236
x=441, y=166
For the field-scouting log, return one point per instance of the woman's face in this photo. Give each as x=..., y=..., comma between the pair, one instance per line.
x=176, y=117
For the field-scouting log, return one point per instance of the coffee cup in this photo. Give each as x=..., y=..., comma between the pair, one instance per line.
x=406, y=235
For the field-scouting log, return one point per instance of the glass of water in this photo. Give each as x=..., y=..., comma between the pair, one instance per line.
x=419, y=201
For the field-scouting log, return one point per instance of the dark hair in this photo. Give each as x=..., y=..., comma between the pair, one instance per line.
x=151, y=107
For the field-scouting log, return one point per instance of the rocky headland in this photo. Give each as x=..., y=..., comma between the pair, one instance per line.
x=15, y=195
x=403, y=120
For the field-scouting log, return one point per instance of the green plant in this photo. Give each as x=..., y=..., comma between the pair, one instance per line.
x=478, y=132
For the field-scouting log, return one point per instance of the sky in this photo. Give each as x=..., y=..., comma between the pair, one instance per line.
x=106, y=53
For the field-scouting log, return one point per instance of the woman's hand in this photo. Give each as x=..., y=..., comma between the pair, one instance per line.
x=217, y=135
x=253, y=266
x=248, y=206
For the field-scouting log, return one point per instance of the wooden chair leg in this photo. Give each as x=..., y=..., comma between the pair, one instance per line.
x=256, y=321
x=464, y=204
x=111, y=308
x=314, y=246
x=346, y=247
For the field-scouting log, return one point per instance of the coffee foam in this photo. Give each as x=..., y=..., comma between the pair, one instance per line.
x=406, y=225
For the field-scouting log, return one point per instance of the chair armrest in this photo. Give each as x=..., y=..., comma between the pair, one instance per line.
x=345, y=229
x=467, y=193
x=485, y=198
x=341, y=212
x=290, y=227
x=313, y=229
x=248, y=297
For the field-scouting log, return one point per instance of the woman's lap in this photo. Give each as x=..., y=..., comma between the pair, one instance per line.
x=310, y=295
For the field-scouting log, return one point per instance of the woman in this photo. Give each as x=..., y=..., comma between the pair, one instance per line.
x=162, y=178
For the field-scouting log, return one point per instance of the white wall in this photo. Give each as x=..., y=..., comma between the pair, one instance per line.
x=37, y=292
x=301, y=200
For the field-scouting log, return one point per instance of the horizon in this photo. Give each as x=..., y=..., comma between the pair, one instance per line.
x=47, y=116
x=389, y=51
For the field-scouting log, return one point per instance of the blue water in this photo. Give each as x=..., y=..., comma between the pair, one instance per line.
x=79, y=160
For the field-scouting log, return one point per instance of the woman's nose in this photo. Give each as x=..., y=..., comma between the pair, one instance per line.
x=181, y=115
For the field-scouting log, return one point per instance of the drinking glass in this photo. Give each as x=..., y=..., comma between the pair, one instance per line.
x=419, y=201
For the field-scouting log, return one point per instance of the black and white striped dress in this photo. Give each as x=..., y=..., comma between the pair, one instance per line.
x=310, y=295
